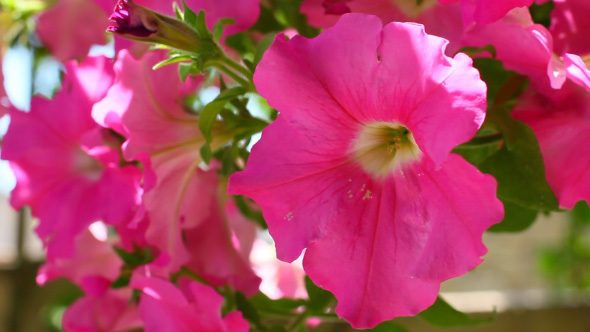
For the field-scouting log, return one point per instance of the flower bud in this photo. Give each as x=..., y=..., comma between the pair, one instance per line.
x=139, y=23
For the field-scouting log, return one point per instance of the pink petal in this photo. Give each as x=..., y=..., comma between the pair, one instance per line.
x=315, y=195
x=76, y=169
x=570, y=26
x=213, y=255
x=576, y=70
x=530, y=56
x=421, y=227
x=439, y=20
x=193, y=307
x=70, y=27
x=108, y=312
x=488, y=11
x=93, y=259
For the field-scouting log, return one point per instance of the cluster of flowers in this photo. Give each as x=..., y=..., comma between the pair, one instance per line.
x=356, y=171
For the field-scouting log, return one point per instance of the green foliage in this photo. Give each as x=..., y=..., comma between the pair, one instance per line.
x=319, y=299
x=131, y=259
x=443, y=314
x=516, y=218
x=567, y=264
x=248, y=212
x=389, y=326
x=542, y=13
x=518, y=165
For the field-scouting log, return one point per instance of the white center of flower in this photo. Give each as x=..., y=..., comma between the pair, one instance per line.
x=383, y=147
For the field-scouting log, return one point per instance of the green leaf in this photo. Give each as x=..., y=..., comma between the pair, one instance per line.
x=184, y=69
x=217, y=30
x=319, y=298
x=136, y=258
x=201, y=25
x=442, y=314
x=253, y=215
x=280, y=306
x=389, y=326
x=493, y=73
x=263, y=46
x=518, y=165
x=178, y=11
x=248, y=310
x=209, y=113
x=189, y=16
x=122, y=281
x=516, y=218
x=206, y=153
x=171, y=61
x=473, y=51
x=476, y=154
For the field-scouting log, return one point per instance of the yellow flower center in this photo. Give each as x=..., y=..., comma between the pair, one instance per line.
x=383, y=147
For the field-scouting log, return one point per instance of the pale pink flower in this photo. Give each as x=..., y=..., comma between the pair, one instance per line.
x=561, y=121
x=357, y=168
x=70, y=27
x=94, y=266
x=66, y=170
x=110, y=311
x=190, y=307
x=184, y=201
x=279, y=279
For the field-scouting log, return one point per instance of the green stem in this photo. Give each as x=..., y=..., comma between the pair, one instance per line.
x=478, y=141
x=243, y=70
x=221, y=66
x=300, y=321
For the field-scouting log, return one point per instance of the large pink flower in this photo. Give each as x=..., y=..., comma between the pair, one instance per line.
x=357, y=166
x=191, y=307
x=561, y=121
x=65, y=169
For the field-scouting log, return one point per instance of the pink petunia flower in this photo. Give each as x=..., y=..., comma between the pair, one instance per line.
x=279, y=279
x=190, y=307
x=357, y=168
x=183, y=203
x=561, y=122
x=70, y=27
x=94, y=266
x=65, y=167
x=440, y=20
x=535, y=54
x=109, y=311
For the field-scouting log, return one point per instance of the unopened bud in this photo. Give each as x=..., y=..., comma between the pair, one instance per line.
x=139, y=23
